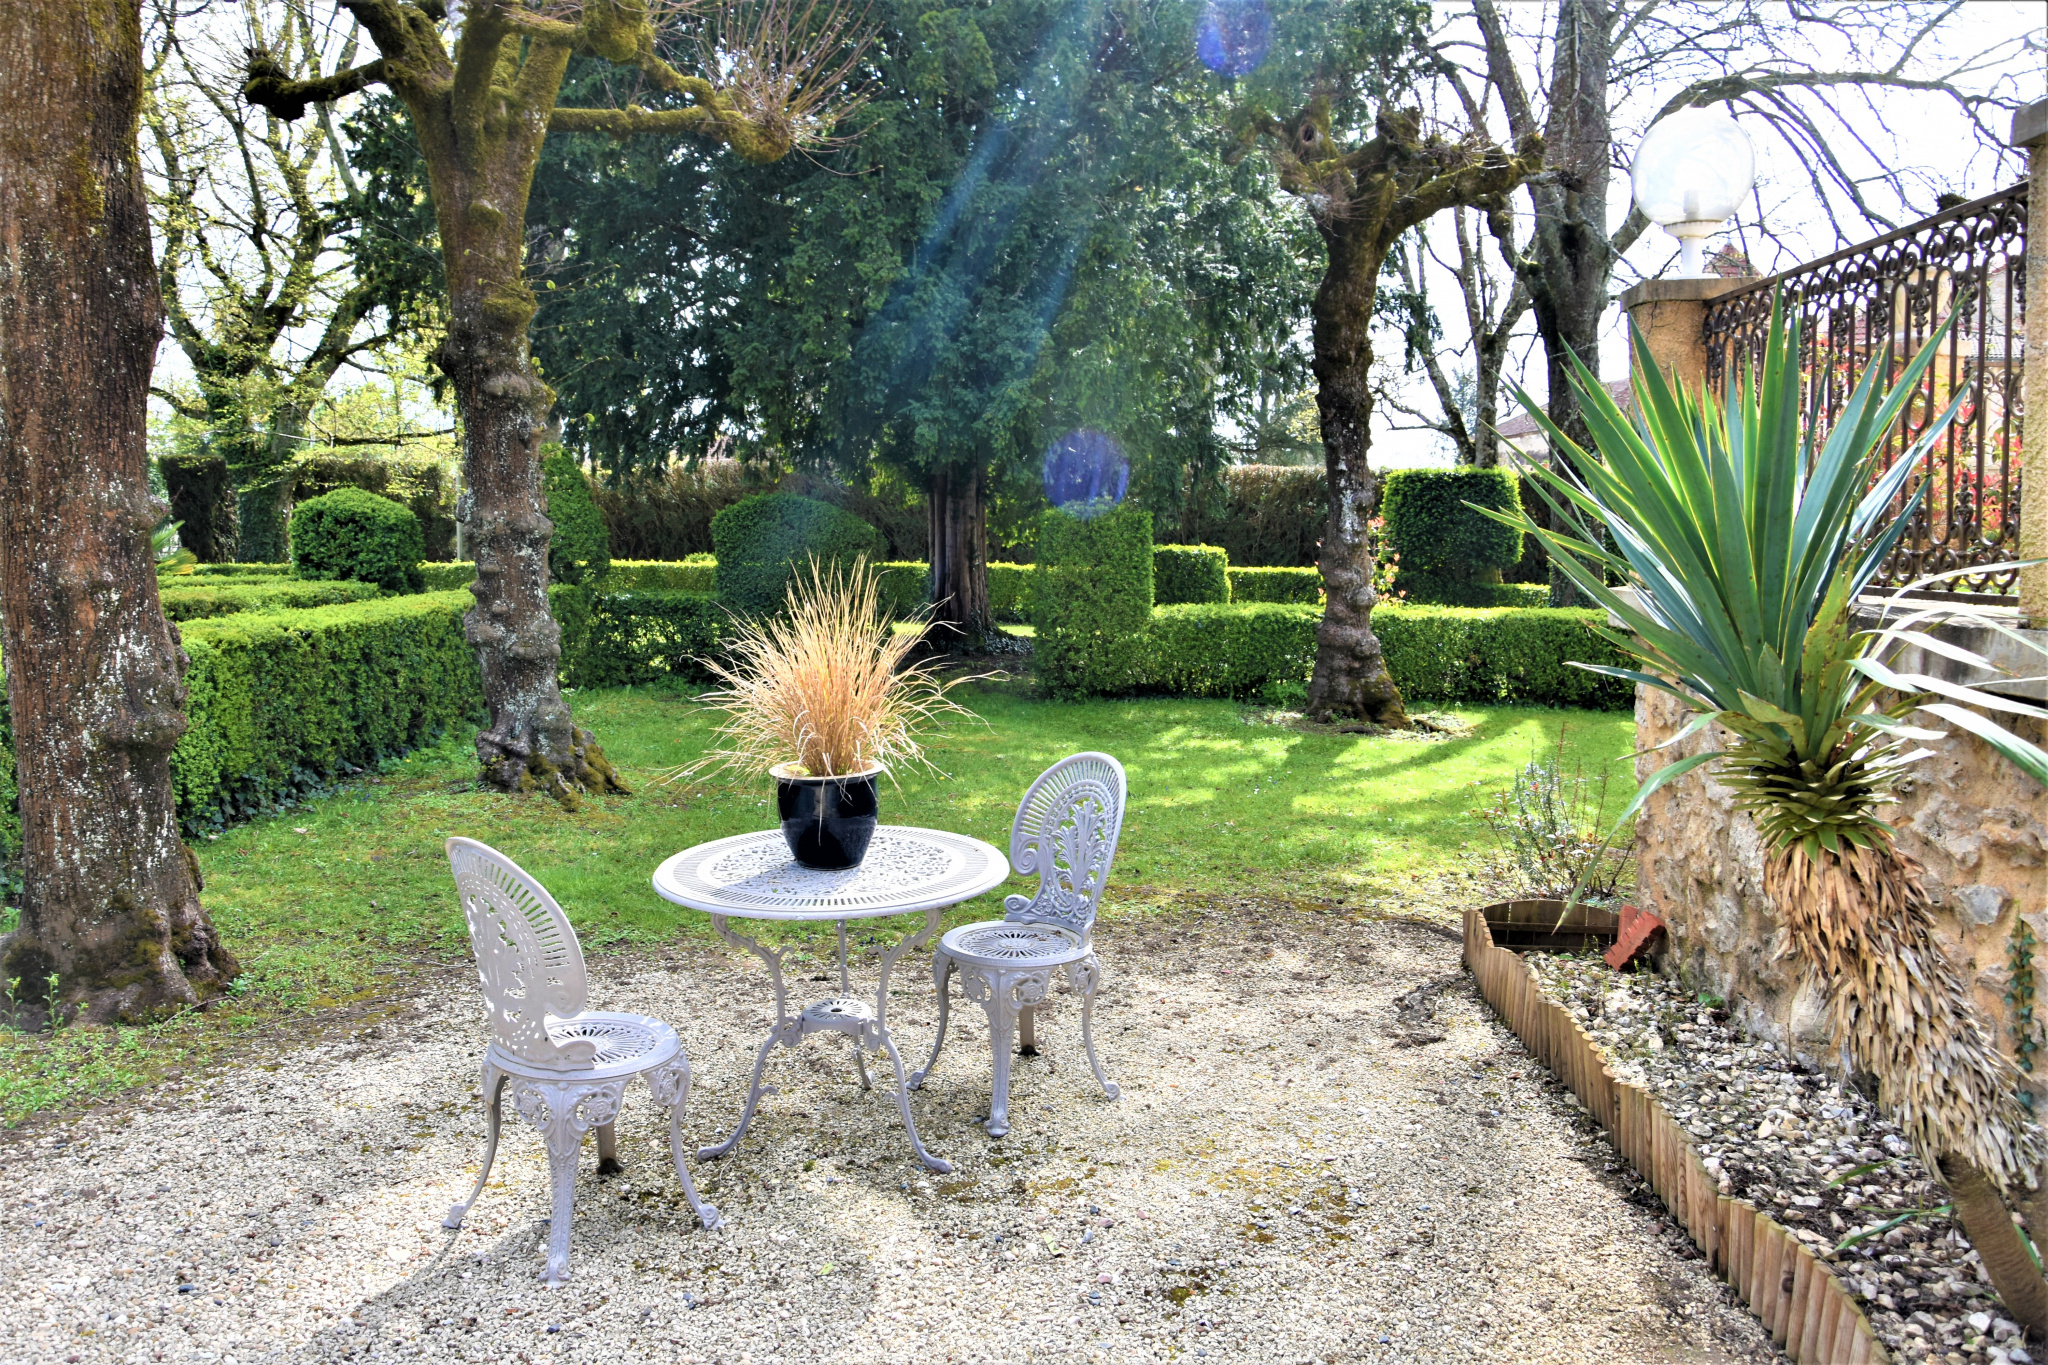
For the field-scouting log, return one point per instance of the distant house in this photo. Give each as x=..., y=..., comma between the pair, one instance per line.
x=1522, y=440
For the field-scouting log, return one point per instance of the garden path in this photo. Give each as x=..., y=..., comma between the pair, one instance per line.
x=1327, y=1151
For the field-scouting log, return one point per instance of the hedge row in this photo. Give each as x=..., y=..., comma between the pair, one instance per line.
x=1189, y=573
x=634, y=638
x=1276, y=585
x=243, y=571
x=280, y=703
x=1436, y=654
x=182, y=603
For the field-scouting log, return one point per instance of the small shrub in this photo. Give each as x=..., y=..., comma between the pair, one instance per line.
x=1438, y=537
x=580, y=550
x=1552, y=824
x=1189, y=573
x=350, y=534
x=763, y=541
x=1092, y=600
x=1303, y=586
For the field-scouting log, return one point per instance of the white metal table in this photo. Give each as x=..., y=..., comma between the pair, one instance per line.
x=752, y=876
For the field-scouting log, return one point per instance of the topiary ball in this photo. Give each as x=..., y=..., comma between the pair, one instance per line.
x=763, y=542
x=352, y=535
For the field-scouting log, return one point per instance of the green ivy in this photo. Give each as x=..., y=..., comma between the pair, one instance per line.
x=762, y=542
x=1092, y=600
x=1436, y=533
x=356, y=535
x=1276, y=585
x=233, y=595
x=1189, y=573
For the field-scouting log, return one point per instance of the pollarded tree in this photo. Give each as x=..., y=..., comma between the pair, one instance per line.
x=1367, y=171
x=480, y=114
x=110, y=903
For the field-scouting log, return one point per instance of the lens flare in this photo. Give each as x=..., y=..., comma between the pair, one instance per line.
x=1233, y=36
x=1086, y=473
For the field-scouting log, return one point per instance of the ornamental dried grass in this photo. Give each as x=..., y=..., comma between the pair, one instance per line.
x=825, y=686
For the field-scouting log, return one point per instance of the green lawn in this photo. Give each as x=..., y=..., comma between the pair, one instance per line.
x=327, y=902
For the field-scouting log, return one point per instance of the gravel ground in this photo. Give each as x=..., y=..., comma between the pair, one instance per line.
x=1814, y=1153
x=1327, y=1151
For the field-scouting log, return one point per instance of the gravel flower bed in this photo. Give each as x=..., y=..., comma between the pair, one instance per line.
x=1816, y=1155
x=1328, y=1151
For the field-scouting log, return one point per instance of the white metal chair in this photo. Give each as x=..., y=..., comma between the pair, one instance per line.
x=567, y=1065
x=1066, y=831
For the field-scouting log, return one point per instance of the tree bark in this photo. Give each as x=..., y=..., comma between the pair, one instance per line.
x=1570, y=255
x=480, y=186
x=1987, y=1220
x=1351, y=677
x=110, y=903
x=957, y=503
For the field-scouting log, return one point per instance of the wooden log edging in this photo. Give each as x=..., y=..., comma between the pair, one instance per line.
x=1808, y=1311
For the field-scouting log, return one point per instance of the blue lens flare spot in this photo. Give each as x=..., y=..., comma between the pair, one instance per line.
x=1233, y=36
x=1086, y=473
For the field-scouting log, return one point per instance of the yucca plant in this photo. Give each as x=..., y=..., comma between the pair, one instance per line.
x=1748, y=540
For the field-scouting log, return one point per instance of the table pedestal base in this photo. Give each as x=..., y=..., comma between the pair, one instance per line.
x=866, y=1024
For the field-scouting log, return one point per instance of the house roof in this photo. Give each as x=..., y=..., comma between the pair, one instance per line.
x=1522, y=426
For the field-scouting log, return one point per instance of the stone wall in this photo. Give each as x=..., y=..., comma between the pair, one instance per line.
x=1974, y=821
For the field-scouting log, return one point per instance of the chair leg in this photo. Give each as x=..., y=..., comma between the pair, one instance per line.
x=608, y=1162
x=494, y=1090
x=671, y=1087
x=564, y=1112
x=1086, y=977
x=942, y=976
x=1027, y=1031
x=1002, y=1025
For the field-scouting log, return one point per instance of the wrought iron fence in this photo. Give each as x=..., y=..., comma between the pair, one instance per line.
x=1885, y=298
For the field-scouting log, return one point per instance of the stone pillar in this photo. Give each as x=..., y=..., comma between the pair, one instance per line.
x=2030, y=130
x=1669, y=314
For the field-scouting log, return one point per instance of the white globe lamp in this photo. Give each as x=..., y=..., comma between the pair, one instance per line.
x=1692, y=172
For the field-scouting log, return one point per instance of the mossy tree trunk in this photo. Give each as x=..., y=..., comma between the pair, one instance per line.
x=110, y=904
x=480, y=115
x=1362, y=200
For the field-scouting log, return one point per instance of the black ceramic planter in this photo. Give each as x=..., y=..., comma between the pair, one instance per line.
x=827, y=821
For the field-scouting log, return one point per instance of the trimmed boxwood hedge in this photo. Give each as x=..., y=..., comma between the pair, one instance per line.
x=1438, y=592
x=1436, y=654
x=350, y=534
x=635, y=638
x=280, y=702
x=1276, y=585
x=240, y=571
x=698, y=573
x=1189, y=573
x=762, y=543
x=1092, y=600
x=225, y=598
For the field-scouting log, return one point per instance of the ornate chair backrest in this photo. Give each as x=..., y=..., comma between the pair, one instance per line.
x=527, y=957
x=1066, y=832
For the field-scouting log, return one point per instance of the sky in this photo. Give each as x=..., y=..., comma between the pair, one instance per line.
x=1934, y=148
x=1924, y=137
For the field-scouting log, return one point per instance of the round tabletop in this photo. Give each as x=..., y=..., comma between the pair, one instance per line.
x=752, y=876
